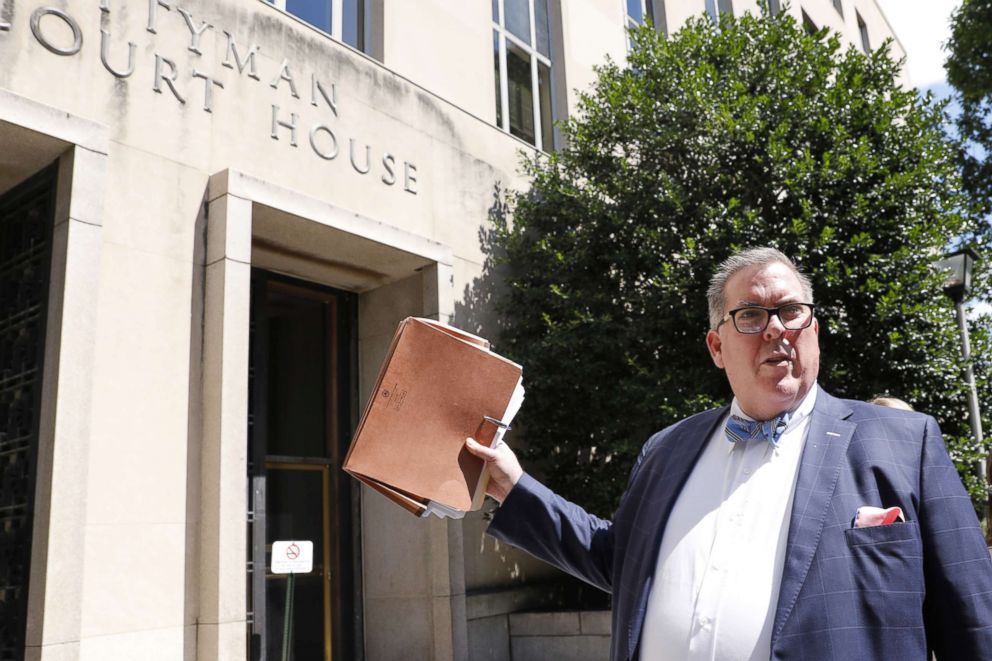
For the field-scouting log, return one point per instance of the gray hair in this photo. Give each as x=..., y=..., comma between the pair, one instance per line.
x=716, y=294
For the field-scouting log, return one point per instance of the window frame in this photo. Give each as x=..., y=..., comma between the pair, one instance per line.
x=649, y=11
x=717, y=7
x=337, y=22
x=863, y=32
x=502, y=35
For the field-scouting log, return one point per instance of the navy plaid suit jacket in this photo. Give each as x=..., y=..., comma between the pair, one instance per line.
x=869, y=594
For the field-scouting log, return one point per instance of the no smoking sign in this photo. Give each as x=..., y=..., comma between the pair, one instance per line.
x=292, y=557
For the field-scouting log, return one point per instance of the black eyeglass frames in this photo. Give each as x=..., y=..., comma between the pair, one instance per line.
x=752, y=319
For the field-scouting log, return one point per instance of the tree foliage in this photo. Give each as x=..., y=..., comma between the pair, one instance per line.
x=969, y=70
x=722, y=137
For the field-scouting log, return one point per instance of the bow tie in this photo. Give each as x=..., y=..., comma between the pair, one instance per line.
x=741, y=429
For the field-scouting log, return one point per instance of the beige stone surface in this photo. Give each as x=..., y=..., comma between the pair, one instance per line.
x=489, y=638
x=53, y=652
x=165, y=644
x=593, y=30
x=223, y=455
x=392, y=570
x=398, y=628
x=133, y=582
x=221, y=642
x=450, y=67
x=138, y=453
x=595, y=622
x=54, y=603
x=564, y=623
x=574, y=648
x=153, y=205
x=81, y=187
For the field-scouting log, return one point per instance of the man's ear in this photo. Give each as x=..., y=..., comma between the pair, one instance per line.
x=715, y=345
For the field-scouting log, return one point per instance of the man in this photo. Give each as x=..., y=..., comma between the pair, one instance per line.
x=788, y=525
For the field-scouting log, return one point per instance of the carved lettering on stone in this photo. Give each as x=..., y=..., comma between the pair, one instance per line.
x=232, y=53
x=324, y=153
x=160, y=65
x=105, y=56
x=77, y=33
x=195, y=31
x=208, y=93
x=153, y=6
x=285, y=74
x=410, y=180
x=317, y=88
x=389, y=177
x=361, y=169
x=291, y=125
x=325, y=142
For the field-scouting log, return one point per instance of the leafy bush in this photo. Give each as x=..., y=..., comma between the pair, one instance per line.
x=722, y=137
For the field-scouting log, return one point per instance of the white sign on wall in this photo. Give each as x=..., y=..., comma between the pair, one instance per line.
x=292, y=557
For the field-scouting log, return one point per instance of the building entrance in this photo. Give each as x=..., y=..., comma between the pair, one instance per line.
x=300, y=378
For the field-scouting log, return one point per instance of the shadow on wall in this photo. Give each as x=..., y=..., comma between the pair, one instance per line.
x=491, y=567
x=476, y=311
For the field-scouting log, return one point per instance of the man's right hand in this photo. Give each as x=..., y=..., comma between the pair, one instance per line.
x=504, y=469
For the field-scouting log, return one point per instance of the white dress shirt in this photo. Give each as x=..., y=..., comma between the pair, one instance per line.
x=720, y=564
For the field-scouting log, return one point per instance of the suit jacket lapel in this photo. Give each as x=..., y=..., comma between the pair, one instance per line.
x=823, y=455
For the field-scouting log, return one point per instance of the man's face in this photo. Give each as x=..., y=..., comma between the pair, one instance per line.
x=770, y=372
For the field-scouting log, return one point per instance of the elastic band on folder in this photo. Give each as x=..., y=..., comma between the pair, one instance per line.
x=498, y=423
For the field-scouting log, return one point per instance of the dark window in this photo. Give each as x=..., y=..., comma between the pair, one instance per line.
x=351, y=28
x=640, y=12
x=863, y=30
x=26, y=219
x=716, y=7
x=839, y=6
x=808, y=25
x=524, y=70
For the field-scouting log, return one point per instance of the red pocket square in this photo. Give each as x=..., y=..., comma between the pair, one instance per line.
x=868, y=516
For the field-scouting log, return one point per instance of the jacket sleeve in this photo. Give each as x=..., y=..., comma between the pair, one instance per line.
x=539, y=521
x=957, y=568
x=553, y=529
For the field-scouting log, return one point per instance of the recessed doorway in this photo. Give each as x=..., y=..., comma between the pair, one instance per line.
x=301, y=382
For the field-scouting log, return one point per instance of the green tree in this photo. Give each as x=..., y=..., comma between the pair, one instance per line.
x=721, y=137
x=969, y=70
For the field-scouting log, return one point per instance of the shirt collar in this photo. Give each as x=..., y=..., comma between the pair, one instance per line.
x=794, y=418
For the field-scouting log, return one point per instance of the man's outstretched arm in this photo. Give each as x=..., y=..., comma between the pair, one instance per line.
x=547, y=526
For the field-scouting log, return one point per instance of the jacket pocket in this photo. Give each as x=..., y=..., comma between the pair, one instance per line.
x=886, y=564
x=894, y=532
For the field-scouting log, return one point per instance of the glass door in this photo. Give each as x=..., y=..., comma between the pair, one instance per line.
x=299, y=430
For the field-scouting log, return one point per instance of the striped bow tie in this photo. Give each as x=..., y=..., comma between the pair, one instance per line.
x=742, y=429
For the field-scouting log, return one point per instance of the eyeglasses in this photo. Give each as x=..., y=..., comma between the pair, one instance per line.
x=753, y=319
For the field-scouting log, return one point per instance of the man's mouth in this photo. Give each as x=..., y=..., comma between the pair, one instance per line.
x=777, y=358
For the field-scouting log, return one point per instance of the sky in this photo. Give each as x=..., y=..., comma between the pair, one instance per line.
x=923, y=26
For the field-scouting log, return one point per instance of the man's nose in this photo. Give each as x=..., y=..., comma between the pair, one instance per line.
x=774, y=328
